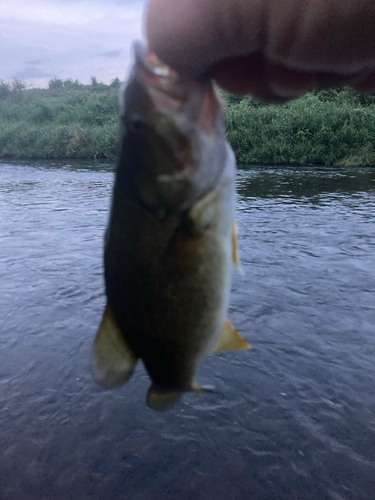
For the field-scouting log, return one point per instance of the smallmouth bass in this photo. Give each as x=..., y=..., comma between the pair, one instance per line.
x=171, y=236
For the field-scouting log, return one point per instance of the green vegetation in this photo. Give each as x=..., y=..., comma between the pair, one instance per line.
x=67, y=120
x=71, y=120
x=330, y=127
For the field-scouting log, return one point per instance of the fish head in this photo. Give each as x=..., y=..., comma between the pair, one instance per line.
x=173, y=146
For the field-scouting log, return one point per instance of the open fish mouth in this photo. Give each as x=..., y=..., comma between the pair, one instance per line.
x=171, y=92
x=150, y=61
x=159, y=77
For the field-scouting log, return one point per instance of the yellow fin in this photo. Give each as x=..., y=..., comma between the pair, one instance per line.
x=162, y=400
x=235, y=250
x=113, y=361
x=197, y=388
x=230, y=339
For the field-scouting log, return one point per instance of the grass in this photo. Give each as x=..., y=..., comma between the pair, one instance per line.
x=71, y=120
x=330, y=127
x=60, y=123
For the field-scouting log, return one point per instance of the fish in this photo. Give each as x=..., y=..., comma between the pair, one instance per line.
x=171, y=238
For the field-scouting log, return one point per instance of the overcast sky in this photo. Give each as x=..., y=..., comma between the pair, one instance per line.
x=44, y=39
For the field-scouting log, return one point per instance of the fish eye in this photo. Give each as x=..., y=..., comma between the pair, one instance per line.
x=135, y=124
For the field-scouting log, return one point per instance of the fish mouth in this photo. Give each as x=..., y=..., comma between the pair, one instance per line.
x=150, y=62
x=169, y=91
x=152, y=71
x=164, y=85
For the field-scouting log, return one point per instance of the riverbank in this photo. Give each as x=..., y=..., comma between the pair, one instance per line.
x=334, y=127
x=77, y=121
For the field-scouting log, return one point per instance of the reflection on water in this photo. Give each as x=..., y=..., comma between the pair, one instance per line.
x=305, y=182
x=291, y=419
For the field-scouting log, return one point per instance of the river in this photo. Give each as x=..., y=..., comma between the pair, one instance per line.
x=293, y=418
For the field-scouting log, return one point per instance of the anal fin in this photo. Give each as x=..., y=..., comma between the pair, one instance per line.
x=113, y=361
x=161, y=400
x=230, y=339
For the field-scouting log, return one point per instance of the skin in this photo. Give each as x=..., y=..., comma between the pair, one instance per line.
x=276, y=50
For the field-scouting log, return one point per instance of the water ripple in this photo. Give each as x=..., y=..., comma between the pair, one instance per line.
x=291, y=418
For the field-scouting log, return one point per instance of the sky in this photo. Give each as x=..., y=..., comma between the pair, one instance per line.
x=45, y=39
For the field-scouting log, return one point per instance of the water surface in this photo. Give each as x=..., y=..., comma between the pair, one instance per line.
x=291, y=419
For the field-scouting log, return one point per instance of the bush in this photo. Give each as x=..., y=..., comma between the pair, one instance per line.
x=71, y=120
x=56, y=83
x=67, y=120
x=5, y=90
x=327, y=127
x=115, y=83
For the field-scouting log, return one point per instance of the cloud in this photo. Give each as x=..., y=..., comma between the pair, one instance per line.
x=30, y=72
x=111, y=53
x=35, y=62
x=64, y=39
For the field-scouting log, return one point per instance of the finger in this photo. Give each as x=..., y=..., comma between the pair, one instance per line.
x=367, y=84
x=316, y=36
x=274, y=83
x=191, y=35
x=266, y=81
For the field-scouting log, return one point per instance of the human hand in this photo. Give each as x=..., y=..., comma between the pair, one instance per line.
x=275, y=50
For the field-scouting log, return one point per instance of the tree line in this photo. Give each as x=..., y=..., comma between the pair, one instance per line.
x=72, y=120
x=17, y=88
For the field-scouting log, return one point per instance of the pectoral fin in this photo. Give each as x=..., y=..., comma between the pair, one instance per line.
x=230, y=339
x=235, y=250
x=113, y=361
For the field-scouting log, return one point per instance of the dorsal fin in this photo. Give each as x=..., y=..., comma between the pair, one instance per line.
x=230, y=339
x=113, y=361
